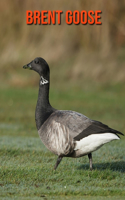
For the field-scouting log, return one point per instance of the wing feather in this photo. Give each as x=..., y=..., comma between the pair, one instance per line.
x=79, y=125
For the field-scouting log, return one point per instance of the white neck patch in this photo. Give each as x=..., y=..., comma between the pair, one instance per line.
x=43, y=81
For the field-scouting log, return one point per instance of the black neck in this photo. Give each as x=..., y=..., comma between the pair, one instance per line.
x=43, y=107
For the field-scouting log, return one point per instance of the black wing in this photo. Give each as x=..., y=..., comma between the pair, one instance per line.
x=96, y=127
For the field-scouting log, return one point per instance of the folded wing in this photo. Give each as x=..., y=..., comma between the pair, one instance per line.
x=81, y=126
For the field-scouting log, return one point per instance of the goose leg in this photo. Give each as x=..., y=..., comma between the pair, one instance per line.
x=90, y=160
x=57, y=162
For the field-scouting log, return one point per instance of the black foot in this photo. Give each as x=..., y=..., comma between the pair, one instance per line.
x=57, y=162
x=90, y=160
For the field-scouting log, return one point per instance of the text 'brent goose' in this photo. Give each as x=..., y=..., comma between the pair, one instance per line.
x=66, y=133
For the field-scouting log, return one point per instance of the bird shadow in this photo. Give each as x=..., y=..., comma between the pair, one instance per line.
x=113, y=166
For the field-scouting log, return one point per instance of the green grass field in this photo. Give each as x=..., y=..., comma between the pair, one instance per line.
x=26, y=166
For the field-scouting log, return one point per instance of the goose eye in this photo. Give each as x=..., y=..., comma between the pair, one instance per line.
x=36, y=62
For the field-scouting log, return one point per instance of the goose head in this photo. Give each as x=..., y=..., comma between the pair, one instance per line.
x=40, y=66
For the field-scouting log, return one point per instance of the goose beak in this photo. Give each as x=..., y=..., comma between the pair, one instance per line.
x=28, y=66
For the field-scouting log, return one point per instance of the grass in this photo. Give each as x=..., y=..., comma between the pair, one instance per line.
x=26, y=166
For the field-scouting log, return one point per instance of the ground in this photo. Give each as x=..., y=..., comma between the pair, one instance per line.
x=26, y=166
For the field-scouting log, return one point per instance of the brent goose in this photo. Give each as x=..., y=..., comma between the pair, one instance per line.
x=66, y=133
